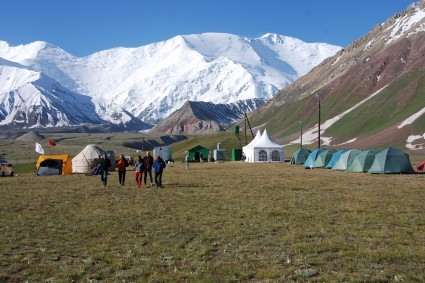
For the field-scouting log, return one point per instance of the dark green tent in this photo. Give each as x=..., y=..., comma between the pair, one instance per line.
x=300, y=156
x=198, y=152
x=391, y=161
x=363, y=161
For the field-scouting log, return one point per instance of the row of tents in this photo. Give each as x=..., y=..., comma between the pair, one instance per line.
x=62, y=164
x=388, y=161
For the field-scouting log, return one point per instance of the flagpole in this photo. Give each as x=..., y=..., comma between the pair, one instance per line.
x=38, y=149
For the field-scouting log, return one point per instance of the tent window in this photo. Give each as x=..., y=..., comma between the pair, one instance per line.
x=262, y=155
x=275, y=155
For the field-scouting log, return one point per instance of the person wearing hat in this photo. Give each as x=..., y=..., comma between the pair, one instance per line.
x=158, y=168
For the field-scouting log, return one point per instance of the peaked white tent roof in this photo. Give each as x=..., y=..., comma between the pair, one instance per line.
x=254, y=141
x=263, y=149
x=266, y=141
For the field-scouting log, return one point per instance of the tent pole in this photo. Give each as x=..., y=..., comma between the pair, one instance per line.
x=88, y=163
x=318, y=140
x=252, y=133
x=301, y=136
x=246, y=138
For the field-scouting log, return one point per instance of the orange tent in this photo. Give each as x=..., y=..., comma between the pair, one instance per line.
x=54, y=165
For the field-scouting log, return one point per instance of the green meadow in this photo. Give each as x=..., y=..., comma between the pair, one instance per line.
x=216, y=222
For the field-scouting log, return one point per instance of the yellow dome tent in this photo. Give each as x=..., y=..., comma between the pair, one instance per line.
x=54, y=165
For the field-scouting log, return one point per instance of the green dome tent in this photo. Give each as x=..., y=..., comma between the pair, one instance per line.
x=323, y=158
x=300, y=156
x=345, y=159
x=391, y=161
x=308, y=164
x=362, y=162
x=335, y=158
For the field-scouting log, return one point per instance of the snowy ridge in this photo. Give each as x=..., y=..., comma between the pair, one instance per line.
x=30, y=98
x=151, y=82
x=403, y=25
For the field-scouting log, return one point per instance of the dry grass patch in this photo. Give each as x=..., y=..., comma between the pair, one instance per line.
x=228, y=221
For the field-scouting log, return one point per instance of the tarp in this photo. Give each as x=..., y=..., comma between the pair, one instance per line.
x=362, y=162
x=308, y=164
x=391, y=161
x=87, y=159
x=300, y=156
x=345, y=159
x=263, y=149
x=54, y=165
x=335, y=158
x=323, y=158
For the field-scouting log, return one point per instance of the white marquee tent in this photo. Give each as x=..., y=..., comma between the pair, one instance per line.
x=263, y=149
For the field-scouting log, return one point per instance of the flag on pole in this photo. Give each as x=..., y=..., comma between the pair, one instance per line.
x=51, y=143
x=39, y=148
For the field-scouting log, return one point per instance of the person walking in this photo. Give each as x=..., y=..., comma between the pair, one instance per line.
x=158, y=167
x=139, y=168
x=147, y=164
x=105, y=163
x=122, y=164
x=186, y=160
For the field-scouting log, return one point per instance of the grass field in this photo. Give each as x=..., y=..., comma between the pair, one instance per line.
x=226, y=222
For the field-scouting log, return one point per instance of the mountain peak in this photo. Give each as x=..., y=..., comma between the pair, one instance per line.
x=280, y=39
x=152, y=81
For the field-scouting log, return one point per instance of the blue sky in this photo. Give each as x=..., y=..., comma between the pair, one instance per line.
x=82, y=27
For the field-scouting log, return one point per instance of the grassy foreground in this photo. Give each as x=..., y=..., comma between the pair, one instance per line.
x=215, y=222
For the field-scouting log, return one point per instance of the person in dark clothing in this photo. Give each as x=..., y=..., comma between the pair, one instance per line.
x=105, y=163
x=158, y=167
x=147, y=163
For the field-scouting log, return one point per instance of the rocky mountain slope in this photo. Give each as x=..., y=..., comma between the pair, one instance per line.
x=371, y=94
x=205, y=117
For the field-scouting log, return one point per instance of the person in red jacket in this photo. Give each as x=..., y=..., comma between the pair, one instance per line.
x=122, y=164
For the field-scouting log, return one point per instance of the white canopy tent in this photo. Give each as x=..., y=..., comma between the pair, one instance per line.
x=263, y=149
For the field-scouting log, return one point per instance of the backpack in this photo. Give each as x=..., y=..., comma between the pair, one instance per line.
x=126, y=162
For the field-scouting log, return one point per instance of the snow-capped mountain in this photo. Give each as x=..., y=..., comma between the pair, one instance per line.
x=150, y=82
x=30, y=98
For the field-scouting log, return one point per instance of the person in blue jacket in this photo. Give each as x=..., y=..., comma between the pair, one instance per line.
x=158, y=168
